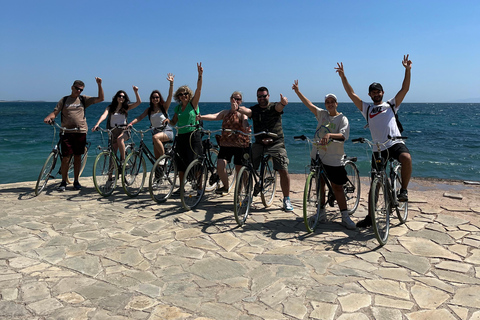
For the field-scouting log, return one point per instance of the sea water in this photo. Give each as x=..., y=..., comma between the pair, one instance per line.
x=443, y=138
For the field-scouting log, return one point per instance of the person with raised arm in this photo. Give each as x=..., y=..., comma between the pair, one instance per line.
x=332, y=130
x=72, y=108
x=267, y=116
x=231, y=144
x=116, y=114
x=158, y=115
x=382, y=122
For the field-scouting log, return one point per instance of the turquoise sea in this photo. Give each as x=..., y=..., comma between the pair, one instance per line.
x=444, y=138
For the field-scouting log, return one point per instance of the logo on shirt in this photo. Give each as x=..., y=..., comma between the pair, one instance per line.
x=376, y=111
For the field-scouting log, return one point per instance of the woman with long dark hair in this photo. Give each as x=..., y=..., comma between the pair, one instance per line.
x=158, y=114
x=116, y=114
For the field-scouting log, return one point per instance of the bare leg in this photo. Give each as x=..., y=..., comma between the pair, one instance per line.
x=406, y=161
x=64, y=167
x=285, y=182
x=222, y=172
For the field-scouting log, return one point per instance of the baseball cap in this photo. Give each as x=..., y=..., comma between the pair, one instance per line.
x=331, y=95
x=375, y=86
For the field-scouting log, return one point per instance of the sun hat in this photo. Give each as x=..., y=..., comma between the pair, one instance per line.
x=331, y=95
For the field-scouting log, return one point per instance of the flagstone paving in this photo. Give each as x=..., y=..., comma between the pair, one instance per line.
x=76, y=255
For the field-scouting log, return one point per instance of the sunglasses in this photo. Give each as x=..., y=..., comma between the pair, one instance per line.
x=155, y=97
x=183, y=94
x=237, y=99
x=121, y=96
x=78, y=89
x=262, y=96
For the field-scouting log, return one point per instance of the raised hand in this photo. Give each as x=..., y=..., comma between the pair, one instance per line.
x=170, y=77
x=283, y=100
x=295, y=86
x=200, y=69
x=407, y=63
x=98, y=80
x=339, y=69
x=135, y=88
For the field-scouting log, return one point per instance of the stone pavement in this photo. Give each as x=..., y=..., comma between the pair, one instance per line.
x=76, y=255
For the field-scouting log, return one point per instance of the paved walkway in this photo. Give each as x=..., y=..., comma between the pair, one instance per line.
x=76, y=255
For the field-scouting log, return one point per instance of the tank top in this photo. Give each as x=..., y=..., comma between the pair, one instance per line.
x=232, y=121
x=118, y=119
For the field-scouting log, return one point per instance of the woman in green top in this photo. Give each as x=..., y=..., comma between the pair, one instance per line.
x=185, y=114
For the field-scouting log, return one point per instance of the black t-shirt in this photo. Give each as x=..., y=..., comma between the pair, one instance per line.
x=267, y=119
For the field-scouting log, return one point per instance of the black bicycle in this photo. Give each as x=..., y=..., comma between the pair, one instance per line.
x=49, y=166
x=107, y=165
x=384, y=189
x=312, y=193
x=250, y=183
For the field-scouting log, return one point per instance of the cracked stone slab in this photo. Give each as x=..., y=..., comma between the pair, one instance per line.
x=426, y=248
x=428, y=298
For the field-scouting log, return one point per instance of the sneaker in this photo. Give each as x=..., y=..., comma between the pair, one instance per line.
x=62, y=186
x=365, y=223
x=403, y=195
x=287, y=205
x=322, y=217
x=77, y=185
x=347, y=221
x=221, y=191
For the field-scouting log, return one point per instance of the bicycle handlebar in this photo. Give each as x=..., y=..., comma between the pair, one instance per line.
x=271, y=134
x=53, y=123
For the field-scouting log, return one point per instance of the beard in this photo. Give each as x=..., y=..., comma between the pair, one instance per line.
x=377, y=99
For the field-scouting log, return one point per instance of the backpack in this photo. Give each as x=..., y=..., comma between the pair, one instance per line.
x=399, y=125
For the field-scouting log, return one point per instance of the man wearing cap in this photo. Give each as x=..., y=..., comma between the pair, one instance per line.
x=332, y=130
x=382, y=123
x=72, y=108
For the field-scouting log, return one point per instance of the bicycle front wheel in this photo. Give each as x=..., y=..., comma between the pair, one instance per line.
x=134, y=173
x=105, y=173
x=402, y=207
x=311, y=202
x=352, y=187
x=243, y=195
x=71, y=167
x=269, y=183
x=162, y=178
x=46, y=172
x=194, y=182
x=379, y=209
x=213, y=181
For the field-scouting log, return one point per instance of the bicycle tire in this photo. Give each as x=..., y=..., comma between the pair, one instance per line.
x=105, y=173
x=243, y=195
x=402, y=207
x=311, y=202
x=194, y=182
x=162, y=178
x=71, y=167
x=379, y=210
x=352, y=187
x=231, y=174
x=269, y=183
x=212, y=185
x=45, y=173
x=134, y=173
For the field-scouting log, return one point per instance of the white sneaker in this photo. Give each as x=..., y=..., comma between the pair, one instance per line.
x=347, y=222
x=287, y=205
x=322, y=216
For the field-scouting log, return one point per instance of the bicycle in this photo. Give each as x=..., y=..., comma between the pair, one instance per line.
x=198, y=171
x=107, y=164
x=384, y=188
x=46, y=172
x=250, y=183
x=312, y=192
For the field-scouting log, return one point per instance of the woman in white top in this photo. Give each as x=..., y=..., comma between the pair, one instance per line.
x=117, y=113
x=157, y=113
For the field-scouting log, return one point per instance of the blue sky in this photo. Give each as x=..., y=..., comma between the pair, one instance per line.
x=46, y=45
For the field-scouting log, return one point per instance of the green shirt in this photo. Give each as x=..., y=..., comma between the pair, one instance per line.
x=186, y=117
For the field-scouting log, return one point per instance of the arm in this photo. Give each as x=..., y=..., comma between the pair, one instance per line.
x=51, y=117
x=174, y=119
x=137, y=96
x=100, y=97
x=305, y=101
x=406, y=81
x=102, y=117
x=198, y=91
x=348, y=89
x=245, y=111
x=170, y=78
x=139, y=118
x=213, y=116
x=280, y=105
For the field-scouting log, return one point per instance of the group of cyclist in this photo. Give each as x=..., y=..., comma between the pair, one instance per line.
x=331, y=132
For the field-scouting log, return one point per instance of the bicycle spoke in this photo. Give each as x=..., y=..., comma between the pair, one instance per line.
x=311, y=203
x=194, y=182
x=162, y=178
x=134, y=173
x=105, y=173
x=379, y=210
x=269, y=183
x=243, y=195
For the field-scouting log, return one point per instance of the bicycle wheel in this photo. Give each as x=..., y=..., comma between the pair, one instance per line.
x=71, y=174
x=213, y=180
x=45, y=173
x=231, y=173
x=402, y=207
x=194, y=181
x=311, y=203
x=243, y=195
x=162, y=178
x=379, y=210
x=134, y=173
x=105, y=173
x=352, y=187
x=269, y=183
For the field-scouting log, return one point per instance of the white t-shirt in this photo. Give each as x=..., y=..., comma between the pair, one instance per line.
x=381, y=121
x=332, y=153
x=118, y=119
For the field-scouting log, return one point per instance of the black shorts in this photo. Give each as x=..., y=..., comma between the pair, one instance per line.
x=187, y=149
x=226, y=153
x=336, y=175
x=73, y=143
x=393, y=152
